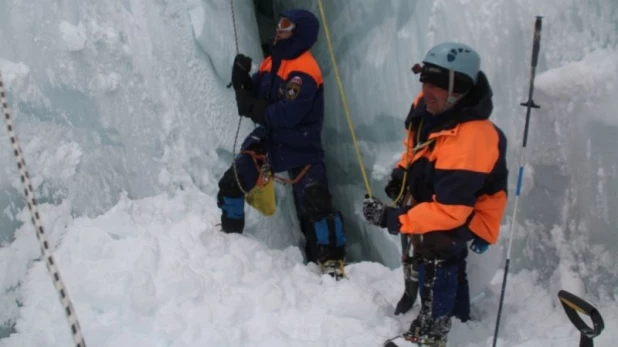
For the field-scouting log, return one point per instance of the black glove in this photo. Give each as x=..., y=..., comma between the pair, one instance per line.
x=378, y=214
x=391, y=219
x=393, y=187
x=240, y=73
x=374, y=211
x=250, y=107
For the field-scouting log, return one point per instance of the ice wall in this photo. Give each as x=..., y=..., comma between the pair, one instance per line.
x=110, y=99
x=105, y=82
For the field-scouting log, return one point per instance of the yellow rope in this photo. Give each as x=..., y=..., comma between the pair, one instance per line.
x=414, y=150
x=343, y=99
x=405, y=172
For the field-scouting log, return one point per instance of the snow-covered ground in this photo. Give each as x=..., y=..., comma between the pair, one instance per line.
x=155, y=272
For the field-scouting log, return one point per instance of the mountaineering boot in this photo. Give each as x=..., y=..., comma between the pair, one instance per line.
x=326, y=245
x=232, y=225
x=427, y=331
x=411, y=289
x=424, y=332
x=232, y=213
x=438, y=285
x=405, y=340
x=334, y=268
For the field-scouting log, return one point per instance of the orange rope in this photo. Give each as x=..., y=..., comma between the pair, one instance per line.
x=262, y=181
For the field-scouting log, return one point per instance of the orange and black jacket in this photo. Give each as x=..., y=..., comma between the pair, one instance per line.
x=458, y=174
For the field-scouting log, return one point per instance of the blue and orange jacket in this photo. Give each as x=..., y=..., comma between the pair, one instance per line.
x=291, y=81
x=458, y=179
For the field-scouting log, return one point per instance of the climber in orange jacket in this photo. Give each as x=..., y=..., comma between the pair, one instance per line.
x=454, y=178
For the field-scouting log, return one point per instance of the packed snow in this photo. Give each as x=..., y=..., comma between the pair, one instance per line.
x=155, y=272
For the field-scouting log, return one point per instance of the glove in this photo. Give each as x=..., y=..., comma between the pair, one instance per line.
x=479, y=245
x=253, y=142
x=393, y=187
x=374, y=211
x=250, y=107
x=392, y=219
x=378, y=214
x=240, y=73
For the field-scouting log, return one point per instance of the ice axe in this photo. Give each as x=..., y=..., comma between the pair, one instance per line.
x=572, y=305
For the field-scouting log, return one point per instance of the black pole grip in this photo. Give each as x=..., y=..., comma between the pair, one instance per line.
x=536, y=45
x=572, y=304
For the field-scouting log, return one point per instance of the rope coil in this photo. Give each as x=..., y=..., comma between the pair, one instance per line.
x=50, y=263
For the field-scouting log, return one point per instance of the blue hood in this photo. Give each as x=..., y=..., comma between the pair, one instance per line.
x=305, y=34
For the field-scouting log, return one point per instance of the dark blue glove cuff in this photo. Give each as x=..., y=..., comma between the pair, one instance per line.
x=257, y=112
x=251, y=143
x=255, y=140
x=391, y=219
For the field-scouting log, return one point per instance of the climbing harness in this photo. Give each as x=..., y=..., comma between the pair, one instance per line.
x=266, y=175
x=401, y=200
x=262, y=196
x=38, y=225
x=415, y=150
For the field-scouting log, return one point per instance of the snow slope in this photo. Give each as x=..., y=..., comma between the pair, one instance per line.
x=154, y=272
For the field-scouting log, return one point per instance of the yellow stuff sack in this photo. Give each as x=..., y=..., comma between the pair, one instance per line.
x=262, y=198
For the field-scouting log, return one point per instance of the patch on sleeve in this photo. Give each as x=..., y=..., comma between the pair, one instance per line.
x=292, y=89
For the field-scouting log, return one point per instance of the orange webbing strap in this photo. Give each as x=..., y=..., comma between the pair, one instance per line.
x=255, y=156
x=295, y=179
x=259, y=160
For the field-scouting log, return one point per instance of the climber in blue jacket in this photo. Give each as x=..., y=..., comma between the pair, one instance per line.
x=285, y=98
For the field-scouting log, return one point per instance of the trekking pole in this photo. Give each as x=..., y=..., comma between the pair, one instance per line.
x=529, y=105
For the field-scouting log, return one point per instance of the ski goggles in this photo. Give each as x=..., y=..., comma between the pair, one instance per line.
x=286, y=25
x=443, y=78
